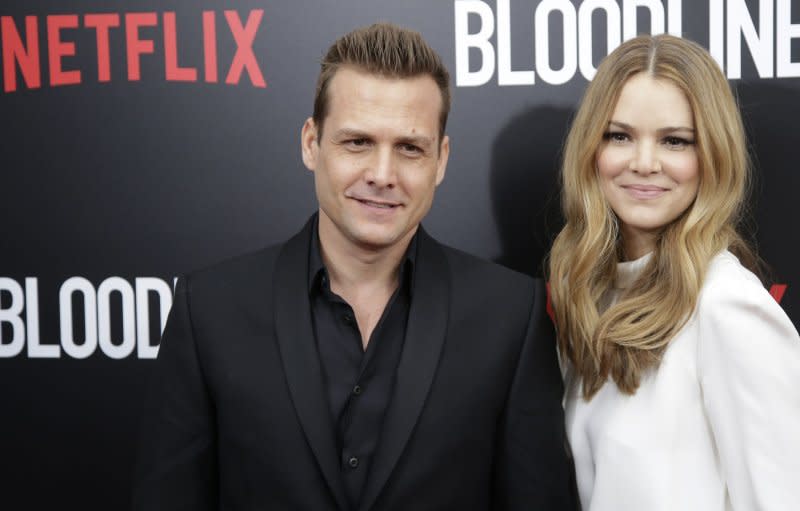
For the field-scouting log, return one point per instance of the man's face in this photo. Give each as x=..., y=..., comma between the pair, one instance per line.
x=379, y=158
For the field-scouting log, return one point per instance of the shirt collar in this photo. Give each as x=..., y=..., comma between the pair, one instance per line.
x=629, y=271
x=318, y=274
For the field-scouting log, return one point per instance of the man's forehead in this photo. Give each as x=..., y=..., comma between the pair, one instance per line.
x=357, y=94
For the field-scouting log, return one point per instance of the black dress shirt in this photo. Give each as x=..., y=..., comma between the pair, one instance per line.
x=358, y=382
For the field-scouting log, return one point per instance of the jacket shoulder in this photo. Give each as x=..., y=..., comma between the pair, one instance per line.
x=490, y=279
x=235, y=272
x=727, y=277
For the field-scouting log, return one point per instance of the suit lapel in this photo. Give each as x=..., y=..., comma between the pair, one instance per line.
x=301, y=364
x=425, y=333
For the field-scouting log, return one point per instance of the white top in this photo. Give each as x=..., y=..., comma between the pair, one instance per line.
x=715, y=427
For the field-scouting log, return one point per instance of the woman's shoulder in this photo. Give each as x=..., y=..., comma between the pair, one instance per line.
x=727, y=278
x=736, y=309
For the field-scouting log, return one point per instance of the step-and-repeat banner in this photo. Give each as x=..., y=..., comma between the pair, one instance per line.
x=142, y=139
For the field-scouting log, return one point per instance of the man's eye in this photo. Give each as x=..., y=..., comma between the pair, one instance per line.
x=357, y=143
x=410, y=148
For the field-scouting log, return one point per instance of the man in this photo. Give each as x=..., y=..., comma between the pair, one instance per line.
x=361, y=365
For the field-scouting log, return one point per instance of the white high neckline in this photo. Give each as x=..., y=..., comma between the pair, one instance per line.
x=629, y=271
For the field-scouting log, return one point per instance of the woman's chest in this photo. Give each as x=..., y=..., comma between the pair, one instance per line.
x=666, y=412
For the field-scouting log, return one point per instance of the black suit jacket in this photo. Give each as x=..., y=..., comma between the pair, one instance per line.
x=238, y=418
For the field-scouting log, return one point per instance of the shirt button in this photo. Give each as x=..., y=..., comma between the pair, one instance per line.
x=357, y=390
x=353, y=462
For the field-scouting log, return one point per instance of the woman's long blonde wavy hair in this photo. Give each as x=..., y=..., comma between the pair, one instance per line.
x=631, y=336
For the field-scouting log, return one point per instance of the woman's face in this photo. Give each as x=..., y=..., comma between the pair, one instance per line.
x=647, y=163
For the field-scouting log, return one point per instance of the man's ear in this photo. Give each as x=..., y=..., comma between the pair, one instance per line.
x=309, y=146
x=444, y=154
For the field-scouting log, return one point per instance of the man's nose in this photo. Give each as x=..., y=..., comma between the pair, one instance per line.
x=382, y=171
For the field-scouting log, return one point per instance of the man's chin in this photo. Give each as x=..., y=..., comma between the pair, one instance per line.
x=377, y=240
x=375, y=243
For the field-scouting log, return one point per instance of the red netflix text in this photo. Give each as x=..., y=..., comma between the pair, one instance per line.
x=22, y=58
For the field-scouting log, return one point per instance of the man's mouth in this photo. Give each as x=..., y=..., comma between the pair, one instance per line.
x=377, y=204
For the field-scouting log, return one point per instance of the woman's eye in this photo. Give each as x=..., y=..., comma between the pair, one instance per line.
x=677, y=142
x=616, y=136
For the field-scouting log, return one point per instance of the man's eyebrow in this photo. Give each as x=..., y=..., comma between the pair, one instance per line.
x=350, y=133
x=419, y=140
x=666, y=129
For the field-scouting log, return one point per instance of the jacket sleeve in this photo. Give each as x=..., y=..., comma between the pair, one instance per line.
x=749, y=370
x=177, y=466
x=534, y=469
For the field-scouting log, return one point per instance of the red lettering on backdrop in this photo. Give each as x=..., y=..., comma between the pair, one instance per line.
x=102, y=23
x=175, y=73
x=15, y=52
x=777, y=291
x=136, y=46
x=210, y=45
x=549, y=305
x=22, y=54
x=58, y=49
x=244, y=58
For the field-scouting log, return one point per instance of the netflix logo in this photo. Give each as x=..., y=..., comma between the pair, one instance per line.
x=23, y=58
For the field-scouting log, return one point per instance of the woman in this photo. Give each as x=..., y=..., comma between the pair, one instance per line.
x=682, y=373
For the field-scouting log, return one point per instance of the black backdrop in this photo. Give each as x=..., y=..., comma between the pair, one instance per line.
x=111, y=187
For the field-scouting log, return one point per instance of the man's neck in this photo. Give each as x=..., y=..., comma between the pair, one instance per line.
x=365, y=277
x=355, y=269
